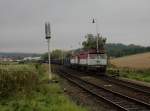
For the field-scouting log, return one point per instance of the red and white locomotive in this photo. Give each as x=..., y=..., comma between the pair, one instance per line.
x=90, y=60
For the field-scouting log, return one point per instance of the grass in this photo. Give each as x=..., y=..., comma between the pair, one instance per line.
x=135, y=67
x=47, y=98
x=144, y=76
x=17, y=78
x=140, y=75
x=44, y=97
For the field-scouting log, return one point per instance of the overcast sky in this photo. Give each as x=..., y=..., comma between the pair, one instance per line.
x=22, y=23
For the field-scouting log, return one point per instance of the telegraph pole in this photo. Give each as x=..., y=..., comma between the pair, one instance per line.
x=96, y=26
x=48, y=37
x=62, y=57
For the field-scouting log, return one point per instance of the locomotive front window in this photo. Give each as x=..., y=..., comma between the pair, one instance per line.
x=92, y=56
x=103, y=56
x=97, y=56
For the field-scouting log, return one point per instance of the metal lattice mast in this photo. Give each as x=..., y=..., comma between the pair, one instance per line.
x=48, y=37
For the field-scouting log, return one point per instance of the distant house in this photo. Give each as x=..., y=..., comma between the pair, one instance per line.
x=6, y=59
x=32, y=58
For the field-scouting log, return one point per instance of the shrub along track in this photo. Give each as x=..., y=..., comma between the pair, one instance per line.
x=119, y=100
x=136, y=91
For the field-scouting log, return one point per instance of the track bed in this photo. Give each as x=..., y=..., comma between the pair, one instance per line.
x=119, y=100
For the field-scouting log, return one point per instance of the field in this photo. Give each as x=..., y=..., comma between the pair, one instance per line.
x=138, y=61
x=26, y=88
x=136, y=67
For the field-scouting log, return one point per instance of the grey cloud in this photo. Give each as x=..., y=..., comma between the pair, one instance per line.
x=22, y=22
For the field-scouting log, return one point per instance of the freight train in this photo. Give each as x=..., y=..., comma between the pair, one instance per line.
x=90, y=60
x=85, y=60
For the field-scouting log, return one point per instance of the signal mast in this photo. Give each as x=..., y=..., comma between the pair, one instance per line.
x=48, y=37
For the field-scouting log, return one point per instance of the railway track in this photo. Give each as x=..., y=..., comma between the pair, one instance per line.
x=142, y=93
x=120, y=101
x=137, y=87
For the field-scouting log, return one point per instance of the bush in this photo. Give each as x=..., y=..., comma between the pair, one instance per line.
x=49, y=97
x=15, y=78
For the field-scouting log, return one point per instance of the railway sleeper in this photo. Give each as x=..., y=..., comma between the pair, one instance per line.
x=125, y=105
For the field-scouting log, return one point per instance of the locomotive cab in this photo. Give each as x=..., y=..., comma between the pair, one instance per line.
x=90, y=60
x=97, y=61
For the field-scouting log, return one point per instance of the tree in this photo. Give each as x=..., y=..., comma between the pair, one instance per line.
x=56, y=54
x=91, y=40
x=44, y=57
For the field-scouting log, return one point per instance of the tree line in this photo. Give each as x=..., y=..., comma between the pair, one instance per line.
x=112, y=49
x=119, y=50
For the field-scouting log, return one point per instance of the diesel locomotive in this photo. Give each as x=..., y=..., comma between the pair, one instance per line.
x=90, y=60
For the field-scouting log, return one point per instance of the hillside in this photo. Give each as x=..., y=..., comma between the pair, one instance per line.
x=17, y=55
x=138, y=61
x=119, y=49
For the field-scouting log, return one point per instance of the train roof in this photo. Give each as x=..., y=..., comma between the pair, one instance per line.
x=87, y=51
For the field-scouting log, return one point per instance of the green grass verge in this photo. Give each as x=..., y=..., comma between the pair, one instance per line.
x=140, y=75
x=17, y=78
x=145, y=76
x=48, y=97
x=44, y=97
